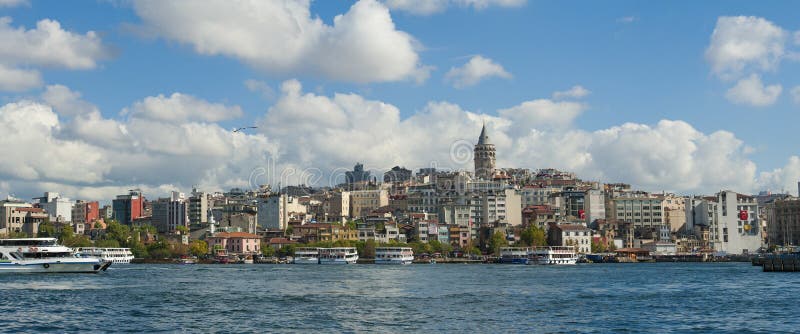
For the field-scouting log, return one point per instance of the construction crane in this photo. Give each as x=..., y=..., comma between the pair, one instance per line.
x=245, y=128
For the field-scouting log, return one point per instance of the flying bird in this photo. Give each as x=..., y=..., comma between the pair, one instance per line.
x=244, y=128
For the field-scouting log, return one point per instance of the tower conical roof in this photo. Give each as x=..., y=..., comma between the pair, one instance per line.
x=483, y=139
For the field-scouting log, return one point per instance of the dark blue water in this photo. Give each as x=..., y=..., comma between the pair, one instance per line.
x=609, y=298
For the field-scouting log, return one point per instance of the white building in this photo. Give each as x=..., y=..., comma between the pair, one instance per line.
x=59, y=208
x=275, y=210
x=731, y=220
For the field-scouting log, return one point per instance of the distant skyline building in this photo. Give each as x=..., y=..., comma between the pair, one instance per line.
x=484, y=156
x=57, y=207
x=397, y=174
x=358, y=174
x=128, y=207
x=171, y=212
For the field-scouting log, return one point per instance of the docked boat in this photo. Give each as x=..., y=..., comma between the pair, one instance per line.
x=554, y=255
x=338, y=255
x=394, y=255
x=306, y=255
x=115, y=255
x=45, y=255
x=515, y=255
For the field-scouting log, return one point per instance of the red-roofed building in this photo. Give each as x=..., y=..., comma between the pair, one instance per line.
x=235, y=243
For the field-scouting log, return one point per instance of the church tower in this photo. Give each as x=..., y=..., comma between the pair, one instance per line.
x=484, y=156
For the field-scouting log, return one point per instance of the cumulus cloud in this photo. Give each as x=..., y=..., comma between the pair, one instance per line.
x=743, y=43
x=312, y=138
x=576, y=92
x=796, y=94
x=47, y=45
x=181, y=108
x=66, y=101
x=13, y=3
x=363, y=45
x=784, y=178
x=260, y=87
x=18, y=80
x=428, y=7
x=751, y=91
x=476, y=69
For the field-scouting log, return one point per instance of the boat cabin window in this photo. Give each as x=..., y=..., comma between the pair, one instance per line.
x=2, y=256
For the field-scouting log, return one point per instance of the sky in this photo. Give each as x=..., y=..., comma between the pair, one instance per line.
x=98, y=97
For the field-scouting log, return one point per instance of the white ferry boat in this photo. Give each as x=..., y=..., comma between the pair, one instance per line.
x=44, y=255
x=338, y=255
x=515, y=255
x=394, y=255
x=115, y=255
x=554, y=255
x=306, y=255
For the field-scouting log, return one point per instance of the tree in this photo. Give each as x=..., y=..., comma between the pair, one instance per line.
x=289, y=230
x=182, y=229
x=369, y=249
x=350, y=225
x=267, y=250
x=198, y=248
x=107, y=243
x=533, y=236
x=497, y=241
x=46, y=230
x=287, y=250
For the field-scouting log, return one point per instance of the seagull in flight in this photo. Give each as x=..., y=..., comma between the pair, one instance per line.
x=244, y=128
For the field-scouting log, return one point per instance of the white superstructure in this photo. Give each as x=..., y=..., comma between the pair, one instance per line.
x=338, y=255
x=115, y=255
x=306, y=255
x=44, y=255
x=394, y=255
x=554, y=255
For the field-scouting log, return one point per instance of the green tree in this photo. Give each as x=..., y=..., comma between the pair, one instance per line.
x=46, y=230
x=533, y=236
x=369, y=249
x=350, y=225
x=107, y=243
x=497, y=241
x=139, y=250
x=182, y=229
x=287, y=250
x=267, y=250
x=289, y=230
x=198, y=248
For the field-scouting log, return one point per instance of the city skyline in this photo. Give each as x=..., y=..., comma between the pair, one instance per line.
x=131, y=99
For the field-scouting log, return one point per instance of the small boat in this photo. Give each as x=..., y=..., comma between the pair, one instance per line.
x=306, y=255
x=338, y=255
x=45, y=255
x=554, y=255
x=394, y=255
x=514, y=255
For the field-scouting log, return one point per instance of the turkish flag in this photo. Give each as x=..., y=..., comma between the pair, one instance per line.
x=743, y=215
x=582, y=214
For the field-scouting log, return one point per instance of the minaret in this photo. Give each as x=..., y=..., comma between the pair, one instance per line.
x=484, y=156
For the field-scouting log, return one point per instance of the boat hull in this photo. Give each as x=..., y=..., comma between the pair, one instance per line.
x=394, y=261
x=337, y=261
x=514, y=260
x=88, y=267
x=305, y=260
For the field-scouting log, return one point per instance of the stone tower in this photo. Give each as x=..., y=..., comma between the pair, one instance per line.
x=484, y=156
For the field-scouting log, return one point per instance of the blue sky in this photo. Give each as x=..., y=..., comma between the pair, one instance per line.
x=642, y=62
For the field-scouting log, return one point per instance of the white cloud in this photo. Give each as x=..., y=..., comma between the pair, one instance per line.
x=363, y=45
x=260, y=87
x=541, y=114
x=46, y=45
x=181, y=108
x=797, y=37
x=627, y=19
x=14, y=3
x=576, y=92
x=796, y=94
x=751, y=91
x=66, y=101
x=476, y=69
x=428, y=7
x=743, y=43
x=49, y=45
x=18, y=80
x=311, y=138
x=782, y=179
